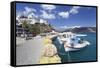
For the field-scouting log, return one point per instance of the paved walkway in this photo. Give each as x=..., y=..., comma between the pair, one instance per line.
x=29, y=51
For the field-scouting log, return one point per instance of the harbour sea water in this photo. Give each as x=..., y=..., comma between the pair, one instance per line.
x=86, y=54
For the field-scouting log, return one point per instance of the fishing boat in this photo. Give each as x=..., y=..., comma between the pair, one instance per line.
x=71, y=42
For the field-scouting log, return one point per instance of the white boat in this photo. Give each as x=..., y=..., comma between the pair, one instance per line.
x=80, y=35
x=69, y=44
x=77, y=46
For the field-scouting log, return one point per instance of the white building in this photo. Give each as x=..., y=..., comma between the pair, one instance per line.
x=31, y=19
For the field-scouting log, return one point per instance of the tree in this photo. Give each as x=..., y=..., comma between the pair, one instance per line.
x=25, y=27
x=36, y=28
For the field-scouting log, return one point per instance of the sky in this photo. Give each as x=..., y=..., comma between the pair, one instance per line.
x=60, y=16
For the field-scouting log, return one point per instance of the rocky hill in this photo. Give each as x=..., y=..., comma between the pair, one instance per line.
x=38, y=28
x=82, y=29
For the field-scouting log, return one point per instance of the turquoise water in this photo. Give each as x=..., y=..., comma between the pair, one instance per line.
x=86, y=54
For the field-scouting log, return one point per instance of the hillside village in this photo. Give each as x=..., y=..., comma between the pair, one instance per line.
x=31, y=25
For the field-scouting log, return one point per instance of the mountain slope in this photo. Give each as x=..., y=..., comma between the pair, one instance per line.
x=82, y=29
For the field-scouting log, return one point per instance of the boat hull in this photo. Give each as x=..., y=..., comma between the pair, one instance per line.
x=77, y=47
x=67, y=49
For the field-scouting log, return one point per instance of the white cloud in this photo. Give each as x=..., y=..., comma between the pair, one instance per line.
x=32, y=15
x=74, y=10
x=46, y=15
x=18, y=14
x=28, y=12
x=27, y=9
x=48, y=7
x=64, y=14
x=75, y=26
x=66, y=27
